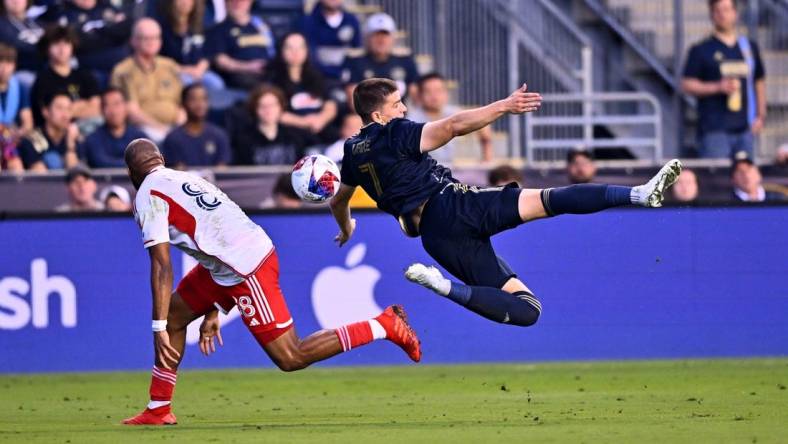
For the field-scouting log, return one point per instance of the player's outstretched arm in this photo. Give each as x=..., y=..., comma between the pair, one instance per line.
x=438, y=133
x=161, y=286
x=340, y=208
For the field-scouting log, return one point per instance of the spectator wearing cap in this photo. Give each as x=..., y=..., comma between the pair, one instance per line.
x=433, y=104
x=58, y=46
x=23, y=33
x=197, y=142
x=103, y=32
x=726, y=74
x=151, y=82
x=81, y=192
x=15, y=115
x=748, y=183
x=241, y=46
x=330, y=32
x=55, y=144
x=580, y=167
x=504, y=175
x=380, y=59
x=686, y=188
x=105, y=147
x=115, y=198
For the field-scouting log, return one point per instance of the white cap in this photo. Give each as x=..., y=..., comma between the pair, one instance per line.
x=380, y=22
x=116, y=190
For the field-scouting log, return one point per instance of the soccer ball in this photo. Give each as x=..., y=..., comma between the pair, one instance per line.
x=315, y=178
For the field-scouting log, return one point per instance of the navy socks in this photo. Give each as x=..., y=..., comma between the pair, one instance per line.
x=520, y=308
x=584, y=198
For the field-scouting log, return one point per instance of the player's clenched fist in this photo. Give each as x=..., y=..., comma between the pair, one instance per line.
x=522, y=101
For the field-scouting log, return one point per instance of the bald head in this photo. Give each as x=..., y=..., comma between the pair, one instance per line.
x=146, y=37
x=142, y=156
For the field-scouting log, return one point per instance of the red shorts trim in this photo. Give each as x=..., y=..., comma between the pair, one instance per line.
x=259, y=298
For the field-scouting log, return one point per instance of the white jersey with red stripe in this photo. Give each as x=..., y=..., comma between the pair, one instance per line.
x=198, y=218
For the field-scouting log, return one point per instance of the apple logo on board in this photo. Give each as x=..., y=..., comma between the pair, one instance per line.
x=344, y=295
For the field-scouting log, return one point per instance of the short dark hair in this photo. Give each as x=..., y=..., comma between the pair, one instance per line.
x=714, y=2
x=574, y=154
x=57, y=33
x=114, y=89
x=188, y=89
x=429, y=76
x=370, y=95
x=7, y=53
x=504, y=174
x=284, y=186
x=49, y=98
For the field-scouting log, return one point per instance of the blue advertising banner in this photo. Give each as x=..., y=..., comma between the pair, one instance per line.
x=669, y=283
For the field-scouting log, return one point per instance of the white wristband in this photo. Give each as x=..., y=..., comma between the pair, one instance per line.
x=159, y=325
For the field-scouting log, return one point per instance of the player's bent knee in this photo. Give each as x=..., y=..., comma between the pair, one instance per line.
x=290, y=362
x=528, y=309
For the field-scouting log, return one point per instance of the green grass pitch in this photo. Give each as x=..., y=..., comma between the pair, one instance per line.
x=645, y=401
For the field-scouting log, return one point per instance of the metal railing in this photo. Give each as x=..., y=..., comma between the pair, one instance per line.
x=628, y=121
x=490, y=47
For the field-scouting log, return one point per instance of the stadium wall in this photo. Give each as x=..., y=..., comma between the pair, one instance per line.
x=626, y=284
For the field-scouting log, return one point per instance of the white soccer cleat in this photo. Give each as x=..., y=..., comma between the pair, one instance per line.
x=428, y=277
x=653, y=192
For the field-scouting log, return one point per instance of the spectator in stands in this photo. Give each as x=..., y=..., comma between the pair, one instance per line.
x=15, y=115
x=104, y=148
x=9, y=154
x=580, y=167
x=55, y=144
x=196, y=142
x=103, y=32
x=726, y=74
x=504, y=175
x=308, y=104
x=23, y=33
x=351, y=125
x=81, y=192
x=151, y=82
x=115, y=198
x=686, y=187
x=748, y=183
x=241, y=46
x=433, y=100
x=58, y=46
x=782, y=154
x=331, y=32
x=183, y=40
x=380, y=59
x=268, y=141
x=283, y=196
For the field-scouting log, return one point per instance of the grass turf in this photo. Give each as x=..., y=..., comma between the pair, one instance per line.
x=647, y=401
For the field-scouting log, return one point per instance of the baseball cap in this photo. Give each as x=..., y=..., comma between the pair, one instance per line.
x=78, y=171
x=115, y=190
x=380, y=22
x=742, y=156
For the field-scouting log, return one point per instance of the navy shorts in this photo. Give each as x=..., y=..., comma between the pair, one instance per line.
x=456, y=226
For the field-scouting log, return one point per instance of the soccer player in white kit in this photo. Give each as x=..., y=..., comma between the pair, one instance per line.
x=237, y=266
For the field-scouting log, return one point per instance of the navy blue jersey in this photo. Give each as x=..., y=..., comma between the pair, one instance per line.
x=387, y=162
x=709, y=61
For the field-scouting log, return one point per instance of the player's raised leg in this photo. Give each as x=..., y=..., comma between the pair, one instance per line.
x=165, y=375
x=591, y=198
x=291, y=353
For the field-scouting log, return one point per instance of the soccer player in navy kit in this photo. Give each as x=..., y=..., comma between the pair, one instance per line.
x=389, y=159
